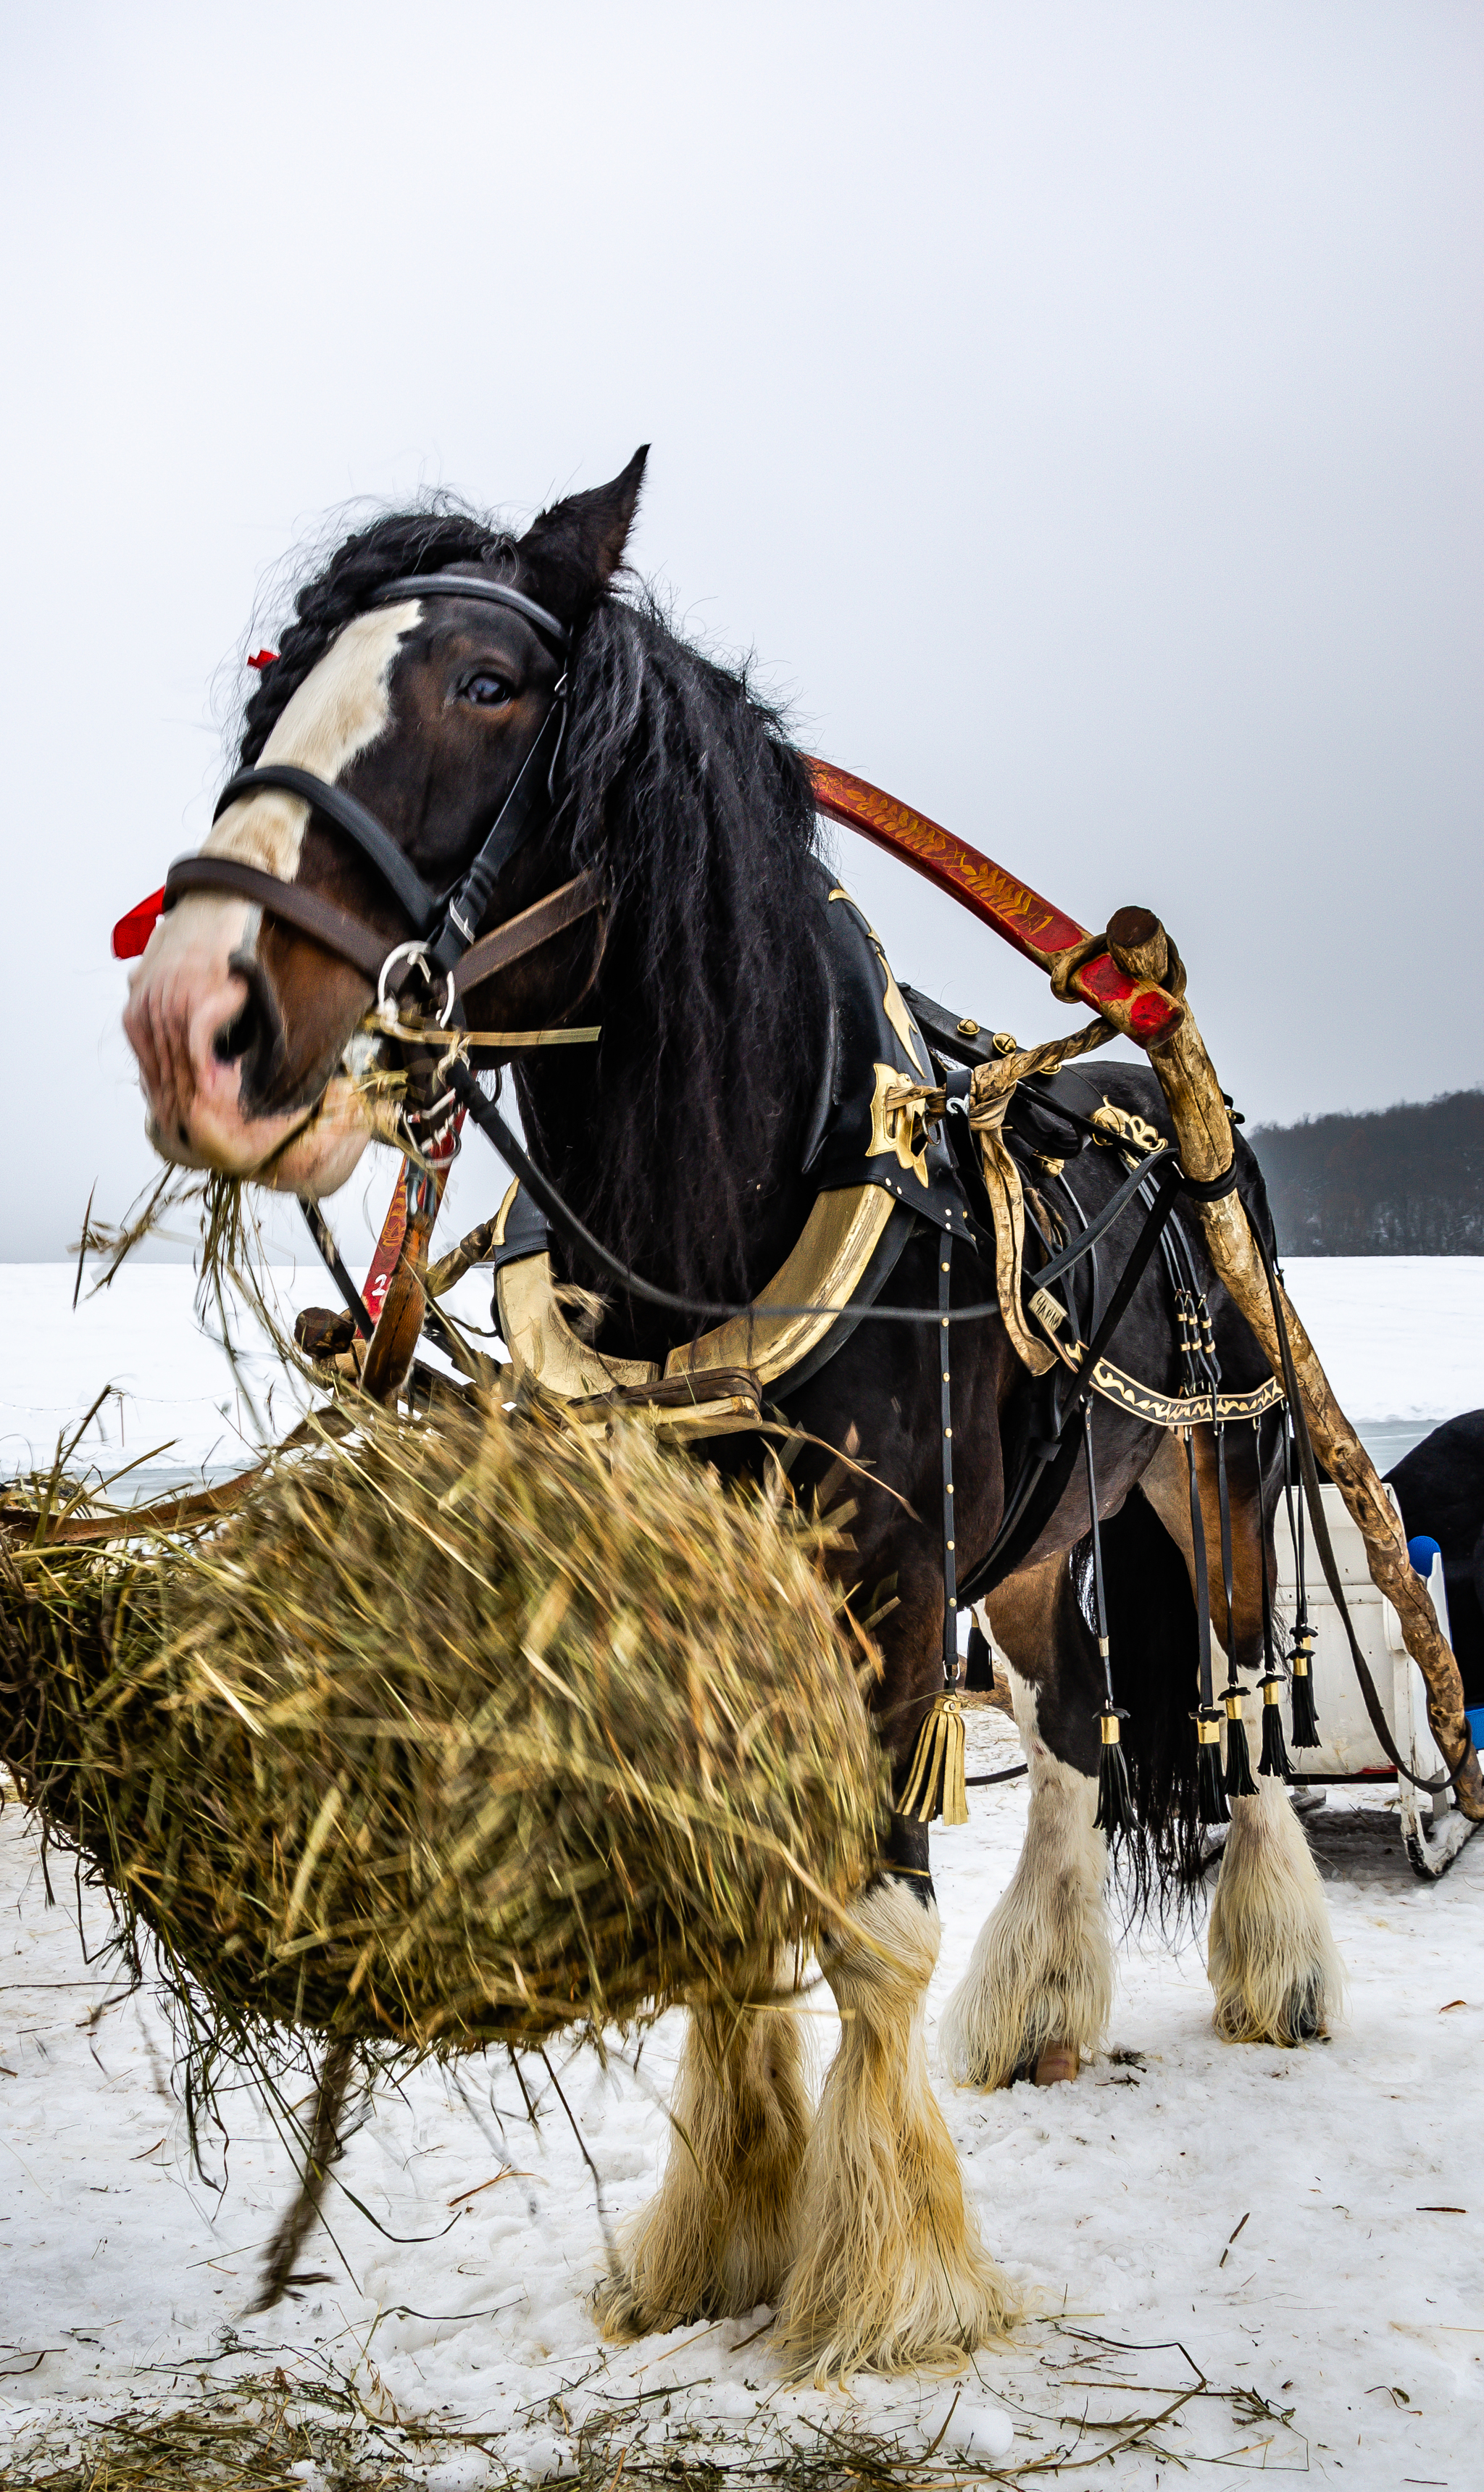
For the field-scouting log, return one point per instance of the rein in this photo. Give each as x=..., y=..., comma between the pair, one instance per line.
x=1169, y=1178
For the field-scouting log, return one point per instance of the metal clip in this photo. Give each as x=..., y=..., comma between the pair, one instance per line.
x=416, y=955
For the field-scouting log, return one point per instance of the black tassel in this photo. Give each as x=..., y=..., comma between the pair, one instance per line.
x=1115, y=1801
x=1213, y=1799
x=1239, y=1782
x=1306, y=1726
x=1274, y=1759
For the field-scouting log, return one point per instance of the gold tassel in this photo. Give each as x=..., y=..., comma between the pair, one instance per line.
x=936, y=1787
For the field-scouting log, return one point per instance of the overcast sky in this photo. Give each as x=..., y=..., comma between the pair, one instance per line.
x=1077, y=408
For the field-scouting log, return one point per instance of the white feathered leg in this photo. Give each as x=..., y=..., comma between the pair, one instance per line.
x=1272, y=1959
x=891, y=2274
x=718, y=2238
x=1042, y=1971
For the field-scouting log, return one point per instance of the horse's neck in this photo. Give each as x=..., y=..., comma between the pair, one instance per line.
x=569, y=1127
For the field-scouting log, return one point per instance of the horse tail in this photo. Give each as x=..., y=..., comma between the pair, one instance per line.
x=1154, y=1647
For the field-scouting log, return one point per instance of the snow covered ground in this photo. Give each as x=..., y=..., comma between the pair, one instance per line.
x=1318, y=2253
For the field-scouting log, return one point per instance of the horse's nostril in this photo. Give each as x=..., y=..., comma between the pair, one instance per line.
x=253, y=1037
x=236, y=1037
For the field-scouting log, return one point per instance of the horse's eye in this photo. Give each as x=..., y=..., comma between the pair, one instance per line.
x=486, y=691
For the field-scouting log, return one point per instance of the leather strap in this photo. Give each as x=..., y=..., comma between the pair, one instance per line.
x=355, y=820
x=527, y=804
x=293, y=902
x=559, y=909
x=492, y=592
x=346, y=935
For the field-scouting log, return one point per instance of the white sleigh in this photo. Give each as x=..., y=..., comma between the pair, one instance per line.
x=1432, y=1831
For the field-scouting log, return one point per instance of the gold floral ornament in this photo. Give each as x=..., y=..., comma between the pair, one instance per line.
x=1121, y=1125
x=904, y=1117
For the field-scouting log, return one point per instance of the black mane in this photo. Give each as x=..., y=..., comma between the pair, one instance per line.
x=682, y=787
x=684, y=790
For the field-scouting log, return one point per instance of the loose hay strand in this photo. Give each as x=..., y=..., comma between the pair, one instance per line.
x=452, y=1733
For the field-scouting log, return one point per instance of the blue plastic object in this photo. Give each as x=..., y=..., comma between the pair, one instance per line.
x=1422, y=1551
x=1474, y=1718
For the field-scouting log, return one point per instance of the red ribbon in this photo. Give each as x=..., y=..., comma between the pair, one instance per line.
x=133, y=933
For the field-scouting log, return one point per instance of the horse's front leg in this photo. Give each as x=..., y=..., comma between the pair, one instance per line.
x=718, y=2238
x=891, y=2274
x=1039, y=1986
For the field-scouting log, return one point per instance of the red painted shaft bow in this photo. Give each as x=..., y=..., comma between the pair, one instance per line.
x=1037, y=929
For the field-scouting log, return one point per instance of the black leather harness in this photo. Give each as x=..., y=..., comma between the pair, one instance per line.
x=930, y=1180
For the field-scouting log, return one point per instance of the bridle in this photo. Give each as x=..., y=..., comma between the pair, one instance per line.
x=446, y=954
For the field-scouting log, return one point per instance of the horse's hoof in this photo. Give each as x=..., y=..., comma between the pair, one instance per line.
x=1304, y=2020
x=623, y=2318
x=1059, y=2064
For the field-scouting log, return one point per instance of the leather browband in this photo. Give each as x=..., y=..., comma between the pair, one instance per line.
x=343, y=935
x=493, y=592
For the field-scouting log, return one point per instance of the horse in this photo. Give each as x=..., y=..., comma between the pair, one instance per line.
x=431, y=662
x=1440, y=1486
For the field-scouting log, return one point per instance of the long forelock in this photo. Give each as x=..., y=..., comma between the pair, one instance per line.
x=397, y=546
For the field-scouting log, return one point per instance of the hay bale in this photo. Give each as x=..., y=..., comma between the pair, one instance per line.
x=452, y=1733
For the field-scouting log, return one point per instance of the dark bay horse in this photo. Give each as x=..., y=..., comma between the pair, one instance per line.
x=680, y=1142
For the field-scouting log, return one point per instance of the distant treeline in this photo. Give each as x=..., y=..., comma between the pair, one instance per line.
x=1406, y=1180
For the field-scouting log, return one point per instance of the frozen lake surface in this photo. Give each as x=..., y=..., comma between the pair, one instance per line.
x=1401, y=1339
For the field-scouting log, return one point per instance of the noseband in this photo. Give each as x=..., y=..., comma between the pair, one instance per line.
x=446, y=950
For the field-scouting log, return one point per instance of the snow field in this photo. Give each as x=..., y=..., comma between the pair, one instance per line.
x=1280, y=2216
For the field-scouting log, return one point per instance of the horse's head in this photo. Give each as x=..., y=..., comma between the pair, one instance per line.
x=423, y=711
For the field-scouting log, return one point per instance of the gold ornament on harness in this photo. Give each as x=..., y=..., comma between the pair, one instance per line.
x=937, y=1787
x=1121, y=1125
x=903, y=1114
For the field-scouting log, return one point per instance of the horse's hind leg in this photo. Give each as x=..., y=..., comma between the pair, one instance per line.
x=1272, y=1956
x=717, y=2237
x=1039, y=1986
x=891, y=2273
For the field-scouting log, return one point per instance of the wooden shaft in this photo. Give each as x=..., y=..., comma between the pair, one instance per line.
x=1205, y=1137
x=1033, y=925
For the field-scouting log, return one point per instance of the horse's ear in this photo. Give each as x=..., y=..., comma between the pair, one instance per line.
x=572, y=551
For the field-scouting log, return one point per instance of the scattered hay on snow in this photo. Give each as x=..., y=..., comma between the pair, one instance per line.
x=452, y=1733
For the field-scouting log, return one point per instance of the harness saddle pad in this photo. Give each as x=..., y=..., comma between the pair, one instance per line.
x=878, y=1170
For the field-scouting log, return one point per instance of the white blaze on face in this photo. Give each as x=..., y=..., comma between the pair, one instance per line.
x=337, y=712
x=186, y=990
